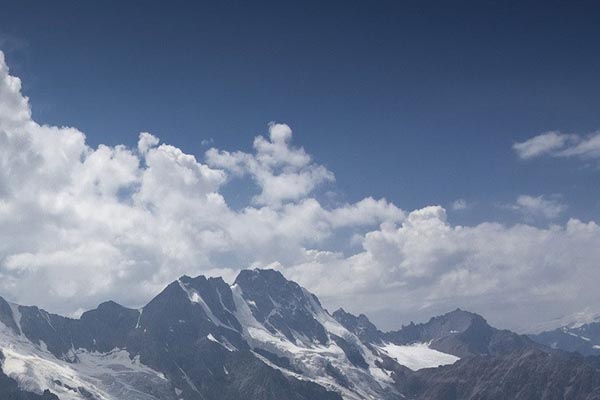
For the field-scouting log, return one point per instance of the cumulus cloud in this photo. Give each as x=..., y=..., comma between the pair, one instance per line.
x=515, y=275
x=282, y=172
x=80, y=225
x=539, y=207
x=556, y=144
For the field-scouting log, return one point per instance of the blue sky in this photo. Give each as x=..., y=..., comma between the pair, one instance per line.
x=418, y=102
x=486, y=111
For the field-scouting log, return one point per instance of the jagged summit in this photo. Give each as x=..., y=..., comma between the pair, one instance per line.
x=266, y=274
x=282, y=305
x=361, y=326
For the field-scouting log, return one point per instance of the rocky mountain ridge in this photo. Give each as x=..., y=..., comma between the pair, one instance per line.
x=263, y=337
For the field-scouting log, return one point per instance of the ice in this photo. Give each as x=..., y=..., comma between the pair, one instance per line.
x=417, y=356
x=108, y=376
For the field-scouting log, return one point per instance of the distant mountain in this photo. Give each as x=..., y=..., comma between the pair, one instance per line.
x=460, y=333
x=266, y=338
x=583, y=338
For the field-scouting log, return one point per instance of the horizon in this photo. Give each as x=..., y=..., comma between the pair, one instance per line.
x=231, y=285
x=568, y=320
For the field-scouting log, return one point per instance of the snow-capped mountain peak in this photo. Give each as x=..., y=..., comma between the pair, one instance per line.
x=262, y=338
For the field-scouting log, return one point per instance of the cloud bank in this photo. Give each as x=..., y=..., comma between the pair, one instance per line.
x=80, y=225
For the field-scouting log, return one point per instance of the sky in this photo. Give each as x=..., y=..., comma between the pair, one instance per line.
x=397, y=158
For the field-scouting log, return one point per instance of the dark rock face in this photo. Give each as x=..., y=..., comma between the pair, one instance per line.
x=533, y=374
x=281, y=305
x=6, y=316
x=217, y=296
x=584, y=339
x=107, y=327
x=360, y=326
x=54, y=330
x=248, y=379
x=352, y=352
x=103, y=329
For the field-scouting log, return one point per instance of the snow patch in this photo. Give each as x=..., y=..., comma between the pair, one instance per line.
x=225, y=343
x=577, y=336
x=212, y=338
x=417, y=356
x=137, y=325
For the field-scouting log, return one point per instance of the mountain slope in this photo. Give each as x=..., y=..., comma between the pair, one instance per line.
x=283, y=319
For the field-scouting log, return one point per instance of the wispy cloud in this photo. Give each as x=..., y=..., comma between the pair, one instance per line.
x=539, y=206
x=459, y=205
x=556, y=144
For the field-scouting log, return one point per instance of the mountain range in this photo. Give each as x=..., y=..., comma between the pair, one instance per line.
x=582, y=337
x=267, y=338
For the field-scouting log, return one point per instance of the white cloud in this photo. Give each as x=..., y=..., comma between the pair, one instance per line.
x=556, y=144
x=539, y=207
x=283, y=173
x=80, y=225
x=515, y=275
x=146, y=142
